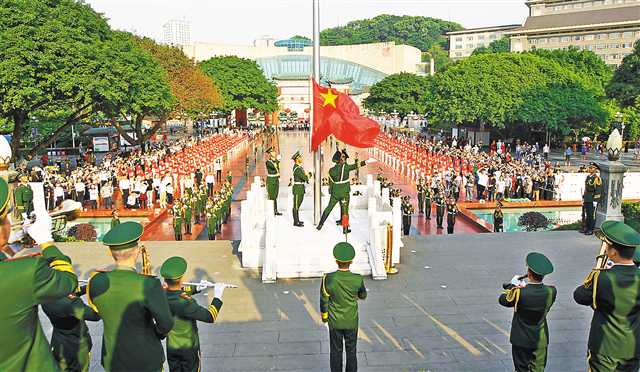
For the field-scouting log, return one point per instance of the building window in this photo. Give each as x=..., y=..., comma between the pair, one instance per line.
x=533, y=41
x=601, y=46
x=458, y=46
x=598, y=3
x=480, y=37
x=614, y=56
x=588, y=37
x=601, y=36
x=589, y=47
x=577, y=38
x=627, y=45
x=627, y=34
x=565, y=39
x=459, y=38
x=614, y=35
x=458, y=54
x=469, y=46
x=614, y=46
x=469, y=38
x=493, y=36
x=557, y=7
x=568, y=7
x=553, y=39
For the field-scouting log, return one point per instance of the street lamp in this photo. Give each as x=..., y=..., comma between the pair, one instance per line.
x=614, y=145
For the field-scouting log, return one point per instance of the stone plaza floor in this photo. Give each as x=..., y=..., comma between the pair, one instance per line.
x=440, y=313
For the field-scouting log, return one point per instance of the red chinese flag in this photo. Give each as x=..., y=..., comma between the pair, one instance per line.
x=336, y=113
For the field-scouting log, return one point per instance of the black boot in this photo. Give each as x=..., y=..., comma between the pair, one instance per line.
x=296, y=219
x=324, y=217
x=275, y=208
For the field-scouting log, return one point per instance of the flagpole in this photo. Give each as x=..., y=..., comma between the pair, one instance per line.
x=317, y=177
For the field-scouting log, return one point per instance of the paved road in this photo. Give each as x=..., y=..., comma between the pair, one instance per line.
x=441, y=318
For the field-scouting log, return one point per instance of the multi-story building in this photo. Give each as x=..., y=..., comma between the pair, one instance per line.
x=463, y=43
x=176, y=32
x=609, y=28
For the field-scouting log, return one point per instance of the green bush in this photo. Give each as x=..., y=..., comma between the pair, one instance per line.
x=631, y=210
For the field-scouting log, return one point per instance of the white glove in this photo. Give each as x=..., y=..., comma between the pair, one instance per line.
x=515, y=280
x=218, y=290
x=370, y=161
x=595, y=204
x=201, y=286
x=278, y=157
x=40, y=230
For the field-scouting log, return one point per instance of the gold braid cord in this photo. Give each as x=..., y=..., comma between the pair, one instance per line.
x=592, y=280
x=146, y=261
x=513, y=295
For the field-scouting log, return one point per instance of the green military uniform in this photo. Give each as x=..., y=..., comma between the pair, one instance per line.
x=273, y=182
x=614, y=296
x=24, y=197
x=421, y=187
x=300, y=178
x=529, y=330
x=133, y=307
x=339, y=294
x=440, y=208
x=212, y=228
x=498, y=221
x=452, y=212
x=187, y=213
x=339, y=186
x=115, y=221
x=407, y=211
x=27, y=282
x=427, y=202
x=183, y=342
x=177, y=221
x=70, y=340
x=592, y=191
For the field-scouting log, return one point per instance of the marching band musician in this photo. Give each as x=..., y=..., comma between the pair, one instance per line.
x=420, y=187
x=614, y=296
x=439, y=201
x=531, y=302
x=134, y=308
x=183, y=342
x=29, y=281
x=176, y=211
x=498, y=218
x=407, y=211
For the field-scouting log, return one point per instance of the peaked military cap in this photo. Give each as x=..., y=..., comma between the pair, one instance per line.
x=619, y=233
x=593, y=164
x=345, y=154
x=123, y=236
x=336, y=156
x=173, y=268
x=539, y=263
x=296, y=155
x=4, y=197
x=344, y=252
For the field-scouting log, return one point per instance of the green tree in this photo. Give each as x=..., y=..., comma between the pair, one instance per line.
x=441, y=57
x=403, y=92
x=507, y=88
x=625, y=85
x=49, y=54
x=502, y=45
x=242, y=84
x=420, y=32
x=586, y=64
x=142, y=91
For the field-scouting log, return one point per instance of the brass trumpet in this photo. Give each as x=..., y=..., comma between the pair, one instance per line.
x=67, y=211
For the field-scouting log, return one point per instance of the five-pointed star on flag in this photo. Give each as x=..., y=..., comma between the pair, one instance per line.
x=329, y=98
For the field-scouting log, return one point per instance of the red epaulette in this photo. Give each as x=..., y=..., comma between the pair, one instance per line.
x=23, y=257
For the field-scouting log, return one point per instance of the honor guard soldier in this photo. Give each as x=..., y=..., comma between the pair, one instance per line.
x=273, y=178
x=340, y=188
x=452, y=212
x=339, y=294
x=300, y=178
x=498, y=218
x=440, y=203
x=24, y=197
x=115, y=220
x=133, y=307
x=211, y=222
x=614, y=296
x=427, y=202
x=70, y=341
x=183, y=342
x=176, y=210
x=421, y=188
x=187, y=214
x=531, y=301
x=592, y=190
x=27, y=282
x=407, y=211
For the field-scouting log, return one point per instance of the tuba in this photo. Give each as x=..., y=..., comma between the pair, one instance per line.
x=146, y=261
x=601, y=258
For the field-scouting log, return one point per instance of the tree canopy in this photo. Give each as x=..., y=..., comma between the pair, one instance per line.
x=508, y=88
x=420, y=32
x=401, y=92
x=625, y=85
x=497, y=46
x=241, y=83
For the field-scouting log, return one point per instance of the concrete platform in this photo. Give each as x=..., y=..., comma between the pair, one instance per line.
x=439, y=313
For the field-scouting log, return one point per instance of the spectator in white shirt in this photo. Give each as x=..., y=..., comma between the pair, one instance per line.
x=79, y=189
x=106, y=193
x=210, y=181
x=93, y=197
x=124, y=186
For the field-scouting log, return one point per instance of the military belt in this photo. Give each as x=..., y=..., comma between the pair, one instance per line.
x=340, y=182
x=273, y=175
x=299, y=183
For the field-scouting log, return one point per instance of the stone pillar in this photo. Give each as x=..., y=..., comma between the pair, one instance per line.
x=610, y=205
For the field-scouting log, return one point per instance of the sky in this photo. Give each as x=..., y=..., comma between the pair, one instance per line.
x=242, y=21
